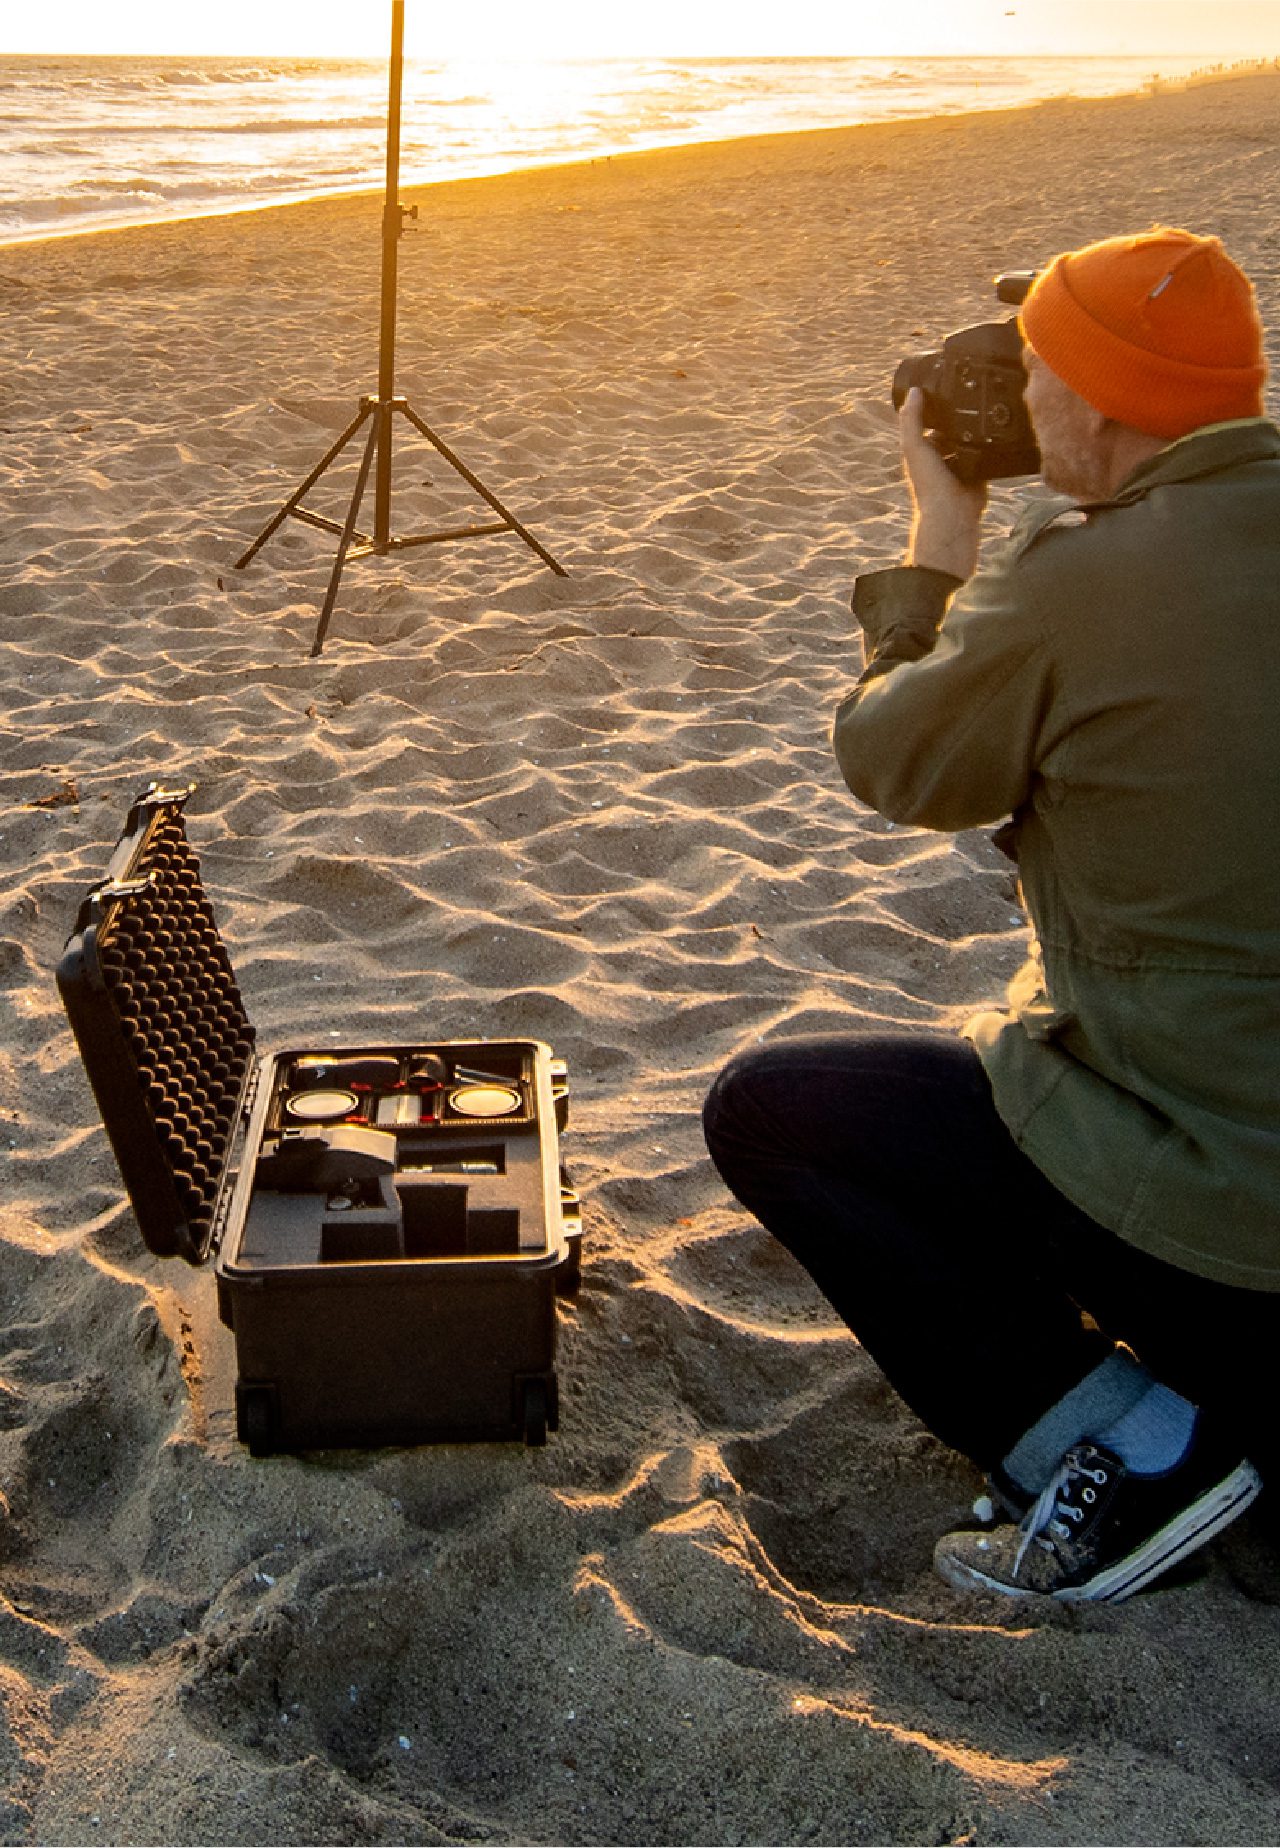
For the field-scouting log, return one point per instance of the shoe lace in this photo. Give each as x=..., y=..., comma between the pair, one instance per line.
x=1055, y=1512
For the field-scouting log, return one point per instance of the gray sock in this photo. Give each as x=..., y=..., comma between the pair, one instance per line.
x=1153, y=1435
x=1099, y=1402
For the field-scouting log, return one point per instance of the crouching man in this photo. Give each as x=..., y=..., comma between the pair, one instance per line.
x=1059, y=1236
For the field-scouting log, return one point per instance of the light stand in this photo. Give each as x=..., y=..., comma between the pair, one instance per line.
x=379, y=412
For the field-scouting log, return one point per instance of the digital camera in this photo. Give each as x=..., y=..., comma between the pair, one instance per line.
x=973, y=389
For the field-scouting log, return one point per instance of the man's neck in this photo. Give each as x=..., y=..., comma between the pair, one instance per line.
x=1128, y=449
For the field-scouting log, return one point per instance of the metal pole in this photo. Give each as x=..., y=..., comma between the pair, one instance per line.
x=293, y=500
x=508, y=519
x=391, y=228
x=344, y=544
x=376, y=457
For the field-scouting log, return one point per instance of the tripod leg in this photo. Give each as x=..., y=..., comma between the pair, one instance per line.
x=279, y=518
x=475, y=482
x=353, y=512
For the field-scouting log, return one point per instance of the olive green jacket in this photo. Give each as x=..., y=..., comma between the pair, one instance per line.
x=1113, y=682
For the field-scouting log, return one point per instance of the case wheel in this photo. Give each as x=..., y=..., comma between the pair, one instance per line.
x=256, y=1419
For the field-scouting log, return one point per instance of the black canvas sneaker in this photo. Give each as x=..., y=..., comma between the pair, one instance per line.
x=1098, y=1532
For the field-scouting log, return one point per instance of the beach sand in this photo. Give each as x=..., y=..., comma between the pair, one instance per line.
x=600, y=810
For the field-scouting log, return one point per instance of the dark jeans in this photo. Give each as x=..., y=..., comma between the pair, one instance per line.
x=878, y=1159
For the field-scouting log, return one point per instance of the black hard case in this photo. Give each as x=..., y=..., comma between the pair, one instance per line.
x=385, y=1282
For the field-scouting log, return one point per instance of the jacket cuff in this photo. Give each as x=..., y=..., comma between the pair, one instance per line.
x=912, y=597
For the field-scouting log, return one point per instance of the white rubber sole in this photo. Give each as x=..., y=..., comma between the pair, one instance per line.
x=1192, y=1528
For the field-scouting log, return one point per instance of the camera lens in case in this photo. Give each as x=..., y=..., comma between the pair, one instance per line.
x=484, y=1100
x=321, y=1106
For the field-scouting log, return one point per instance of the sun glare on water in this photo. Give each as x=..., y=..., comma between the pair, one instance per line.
x=518, y=98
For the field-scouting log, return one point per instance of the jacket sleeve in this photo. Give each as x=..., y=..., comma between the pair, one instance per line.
x=943, y=728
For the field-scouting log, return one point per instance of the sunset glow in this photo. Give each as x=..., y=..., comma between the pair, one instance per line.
x=567, y=28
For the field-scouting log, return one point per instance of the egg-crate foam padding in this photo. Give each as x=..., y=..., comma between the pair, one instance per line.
x=161, y=1026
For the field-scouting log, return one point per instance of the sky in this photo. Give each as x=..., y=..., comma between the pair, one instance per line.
x=1219, y=29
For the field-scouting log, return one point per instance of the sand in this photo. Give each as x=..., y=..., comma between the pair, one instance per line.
x=598, y=809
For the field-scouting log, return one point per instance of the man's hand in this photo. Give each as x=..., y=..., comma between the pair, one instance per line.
x=947, y=522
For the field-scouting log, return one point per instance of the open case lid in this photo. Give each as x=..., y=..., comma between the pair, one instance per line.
x=156, y=1011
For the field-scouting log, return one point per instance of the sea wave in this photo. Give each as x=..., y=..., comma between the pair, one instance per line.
x=98, y=200
x=177, y=128
x=117, y=139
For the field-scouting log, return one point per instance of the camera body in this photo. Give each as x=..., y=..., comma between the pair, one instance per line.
x=973, y=389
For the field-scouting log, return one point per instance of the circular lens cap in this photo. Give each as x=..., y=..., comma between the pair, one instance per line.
x=484, y=1100
x=321, y=1106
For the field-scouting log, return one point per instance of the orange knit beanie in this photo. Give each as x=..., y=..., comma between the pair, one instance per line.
x=1159, y=331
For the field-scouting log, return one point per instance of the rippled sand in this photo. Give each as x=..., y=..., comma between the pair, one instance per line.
x=599, y=810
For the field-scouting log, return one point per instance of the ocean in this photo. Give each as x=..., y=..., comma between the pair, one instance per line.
x=87, y=142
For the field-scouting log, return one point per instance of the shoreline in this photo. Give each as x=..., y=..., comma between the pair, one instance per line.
x=1155, y=85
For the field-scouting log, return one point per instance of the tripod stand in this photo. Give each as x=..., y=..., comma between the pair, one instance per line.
x=379, y=413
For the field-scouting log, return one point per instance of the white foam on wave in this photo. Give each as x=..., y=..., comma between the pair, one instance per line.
x=91, y=141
